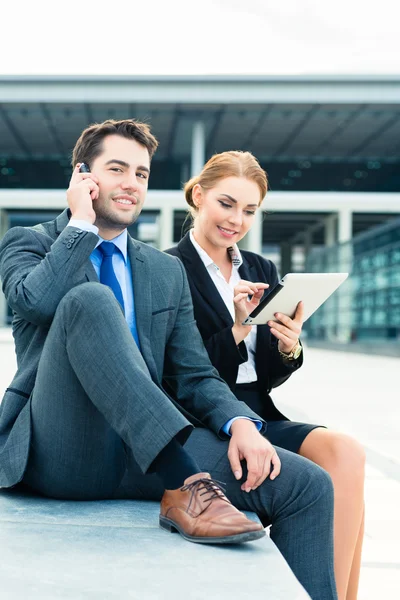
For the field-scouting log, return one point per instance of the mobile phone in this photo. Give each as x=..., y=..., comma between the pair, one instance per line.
x=84, y=168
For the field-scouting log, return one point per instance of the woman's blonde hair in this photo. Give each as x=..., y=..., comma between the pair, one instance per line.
x=227, y=164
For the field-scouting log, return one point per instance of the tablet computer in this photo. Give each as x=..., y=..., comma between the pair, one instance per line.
x=312, y=288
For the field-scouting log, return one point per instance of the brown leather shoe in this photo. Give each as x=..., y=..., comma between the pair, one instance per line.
x=202, y=513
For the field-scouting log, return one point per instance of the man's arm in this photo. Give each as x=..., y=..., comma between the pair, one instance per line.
x=196, y=385
x=37, y=271
x=37, y=274
x=204, y=394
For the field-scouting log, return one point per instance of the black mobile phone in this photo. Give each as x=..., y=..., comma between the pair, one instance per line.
x=84, y=168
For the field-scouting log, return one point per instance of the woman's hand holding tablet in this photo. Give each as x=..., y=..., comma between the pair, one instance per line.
x=310, y=288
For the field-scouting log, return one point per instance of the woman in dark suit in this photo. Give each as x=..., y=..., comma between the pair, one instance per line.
x=223, y=200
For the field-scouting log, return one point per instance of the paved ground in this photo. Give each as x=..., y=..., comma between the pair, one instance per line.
x=359, y=395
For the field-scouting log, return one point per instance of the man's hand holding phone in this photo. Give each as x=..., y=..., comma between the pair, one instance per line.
x=83, y=189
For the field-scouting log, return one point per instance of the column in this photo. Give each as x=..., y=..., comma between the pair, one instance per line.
x=345, y=300
x=345, y=228
x=308, y=240
x=330, y=230
x=185, y=176
x=198, y=148
x=166, y=227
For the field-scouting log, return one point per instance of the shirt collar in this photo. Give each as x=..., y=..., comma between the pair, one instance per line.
x=121, y=241
x=233, y=251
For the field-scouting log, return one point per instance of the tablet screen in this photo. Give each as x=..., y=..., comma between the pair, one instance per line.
x=312, y=288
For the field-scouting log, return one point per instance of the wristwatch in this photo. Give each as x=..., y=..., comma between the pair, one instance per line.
x=293, y=354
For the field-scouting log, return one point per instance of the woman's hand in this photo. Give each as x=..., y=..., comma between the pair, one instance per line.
x=288, y=330
x=244, y=306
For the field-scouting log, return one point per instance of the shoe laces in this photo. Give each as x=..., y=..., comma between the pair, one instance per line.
x=212, y=488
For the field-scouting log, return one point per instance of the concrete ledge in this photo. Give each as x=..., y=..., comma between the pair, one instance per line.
x=115, y=550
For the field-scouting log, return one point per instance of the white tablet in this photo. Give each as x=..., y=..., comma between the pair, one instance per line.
x=312, y=288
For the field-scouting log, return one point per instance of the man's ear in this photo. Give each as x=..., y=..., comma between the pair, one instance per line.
x=197, y=195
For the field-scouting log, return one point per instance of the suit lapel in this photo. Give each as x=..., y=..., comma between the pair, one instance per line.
x=141, y=277
x=247, y=271
x=200, y=278
x=90, y=272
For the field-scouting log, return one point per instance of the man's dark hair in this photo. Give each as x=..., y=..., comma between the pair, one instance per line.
x=90, y=142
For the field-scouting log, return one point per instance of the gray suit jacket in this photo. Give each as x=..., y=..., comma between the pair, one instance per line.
x=39, y=265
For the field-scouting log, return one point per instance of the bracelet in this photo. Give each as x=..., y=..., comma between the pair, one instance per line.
x=294, y=353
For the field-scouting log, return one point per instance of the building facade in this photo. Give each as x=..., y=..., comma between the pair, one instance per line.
x=330, y=146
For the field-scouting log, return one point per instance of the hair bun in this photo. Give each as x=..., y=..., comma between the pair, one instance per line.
x=188, y=190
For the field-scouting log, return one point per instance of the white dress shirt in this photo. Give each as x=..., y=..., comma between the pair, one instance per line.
x=247, y=371
x=121, y=265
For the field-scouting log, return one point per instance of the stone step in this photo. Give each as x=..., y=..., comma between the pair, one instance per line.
x=53, y=549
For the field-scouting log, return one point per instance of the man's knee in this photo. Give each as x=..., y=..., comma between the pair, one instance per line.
x=319, y=488
x=87, y=303
x=91, y=291
x=94, y=298
x=311, y=481
x=324, y=483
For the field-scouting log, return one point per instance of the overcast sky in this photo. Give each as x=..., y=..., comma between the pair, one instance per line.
x=200, y=37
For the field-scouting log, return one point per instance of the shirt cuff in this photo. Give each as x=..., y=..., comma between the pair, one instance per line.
x=227, y=427
x=84, y=225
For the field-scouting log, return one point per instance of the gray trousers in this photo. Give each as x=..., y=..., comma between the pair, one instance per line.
x=92, y=411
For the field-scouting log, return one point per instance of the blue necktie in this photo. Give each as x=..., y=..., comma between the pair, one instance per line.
x=107, y=273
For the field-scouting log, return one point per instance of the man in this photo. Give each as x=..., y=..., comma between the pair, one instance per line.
x=87, y=416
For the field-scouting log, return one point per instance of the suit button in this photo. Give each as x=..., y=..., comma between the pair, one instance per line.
x=69, y=245
x=75, y=235
x=71, y=241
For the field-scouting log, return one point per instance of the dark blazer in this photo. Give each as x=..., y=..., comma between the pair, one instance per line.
x=39, y=265
x=215, y=324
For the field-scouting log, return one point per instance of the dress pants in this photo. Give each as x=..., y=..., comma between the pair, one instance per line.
x=98, y=421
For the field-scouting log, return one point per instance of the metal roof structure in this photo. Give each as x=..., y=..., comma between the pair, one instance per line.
x=324, y=119
x=311, y=133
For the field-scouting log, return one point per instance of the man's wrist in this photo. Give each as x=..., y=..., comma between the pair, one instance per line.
x=82, y=224
x=226, y=428
x=241, y=423
x=83, y=217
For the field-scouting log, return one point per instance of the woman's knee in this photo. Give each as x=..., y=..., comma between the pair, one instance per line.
x=345, y=454
x=335, y=452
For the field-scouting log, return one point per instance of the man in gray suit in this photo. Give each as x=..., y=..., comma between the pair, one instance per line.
x=87, y=414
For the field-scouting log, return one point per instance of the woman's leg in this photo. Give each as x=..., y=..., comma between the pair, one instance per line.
x=344, y=459
x=354, y=579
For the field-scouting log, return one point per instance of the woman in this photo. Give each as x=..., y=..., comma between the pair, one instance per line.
x=223, y=200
